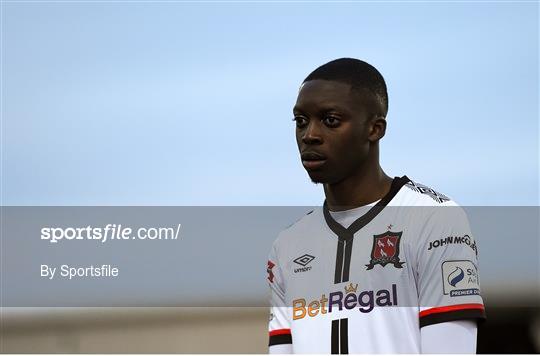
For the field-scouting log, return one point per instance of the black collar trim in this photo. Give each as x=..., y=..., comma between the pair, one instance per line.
x=348, y=233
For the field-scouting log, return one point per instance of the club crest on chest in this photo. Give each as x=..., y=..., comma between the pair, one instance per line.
x=385, y=250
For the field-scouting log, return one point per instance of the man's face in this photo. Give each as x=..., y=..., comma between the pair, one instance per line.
x=332, y=130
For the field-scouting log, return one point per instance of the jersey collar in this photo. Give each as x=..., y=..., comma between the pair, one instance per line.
x=348, y=233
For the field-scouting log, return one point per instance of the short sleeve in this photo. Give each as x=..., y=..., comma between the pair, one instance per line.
x=447, y=269
x=279, y=326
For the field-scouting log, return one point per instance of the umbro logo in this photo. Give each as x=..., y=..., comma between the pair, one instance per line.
x=303, y=261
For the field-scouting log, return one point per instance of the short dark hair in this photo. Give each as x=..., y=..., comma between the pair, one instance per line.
x=359, y=75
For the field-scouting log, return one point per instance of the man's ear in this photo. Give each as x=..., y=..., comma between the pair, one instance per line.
x=377, y=128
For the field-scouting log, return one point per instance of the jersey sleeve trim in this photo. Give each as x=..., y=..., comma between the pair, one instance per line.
x=280, y=332
x=280, y=336
x=452, y=312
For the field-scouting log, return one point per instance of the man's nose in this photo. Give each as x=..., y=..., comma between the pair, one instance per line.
x=312, y=135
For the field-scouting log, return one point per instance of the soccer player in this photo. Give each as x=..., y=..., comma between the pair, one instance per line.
x=386, y=265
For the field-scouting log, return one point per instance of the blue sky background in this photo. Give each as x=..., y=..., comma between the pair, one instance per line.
x=140, y=103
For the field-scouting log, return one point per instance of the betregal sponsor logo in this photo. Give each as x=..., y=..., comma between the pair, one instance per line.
x=364, y=301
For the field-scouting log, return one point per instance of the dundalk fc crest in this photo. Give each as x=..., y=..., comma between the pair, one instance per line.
x=386, y=250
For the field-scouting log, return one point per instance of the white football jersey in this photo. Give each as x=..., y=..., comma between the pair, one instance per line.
x=409, y=261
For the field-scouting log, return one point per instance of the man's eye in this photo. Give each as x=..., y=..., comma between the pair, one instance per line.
x=331, y=121
x=300, y=121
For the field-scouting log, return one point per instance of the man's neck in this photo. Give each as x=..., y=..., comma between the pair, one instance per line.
x=363, y=188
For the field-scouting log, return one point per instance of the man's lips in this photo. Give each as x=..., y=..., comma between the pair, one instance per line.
x=312, y=160
x=313, y=164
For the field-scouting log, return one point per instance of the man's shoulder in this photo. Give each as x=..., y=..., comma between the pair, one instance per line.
x=298, y=229
x=429, y=206
x=414, y=193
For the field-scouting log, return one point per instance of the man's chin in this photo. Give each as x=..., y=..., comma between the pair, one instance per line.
x=318, y=178
x=323, y=177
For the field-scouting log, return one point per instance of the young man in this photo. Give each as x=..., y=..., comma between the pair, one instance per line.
x=386, y=265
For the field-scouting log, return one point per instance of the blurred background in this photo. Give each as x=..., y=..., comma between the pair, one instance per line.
x=124, y=103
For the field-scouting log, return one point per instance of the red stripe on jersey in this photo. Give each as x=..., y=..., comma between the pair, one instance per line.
x=449, y=308
x=280, y=332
